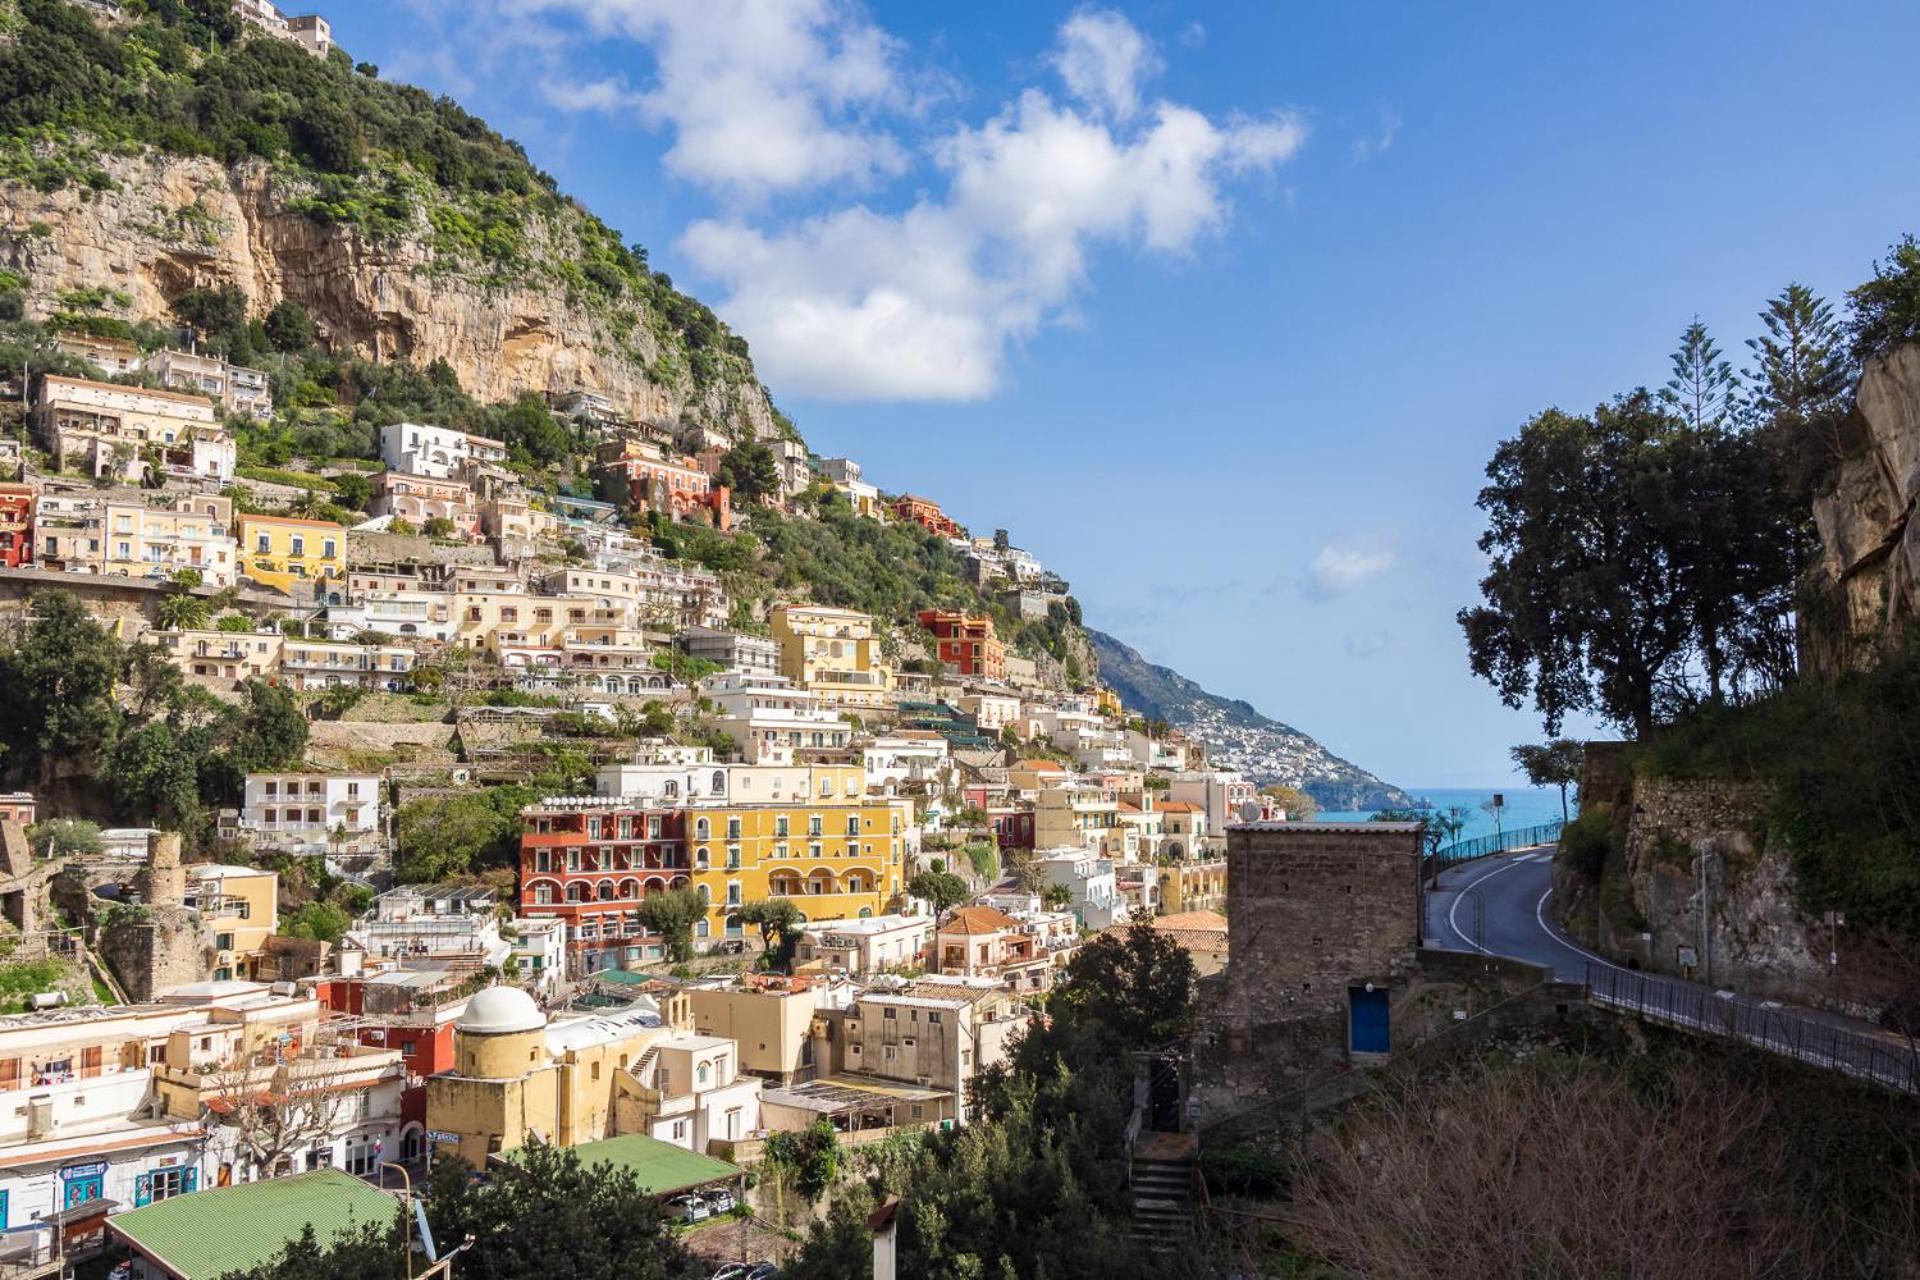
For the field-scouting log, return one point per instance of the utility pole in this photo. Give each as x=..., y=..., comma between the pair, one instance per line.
x=1706, y=925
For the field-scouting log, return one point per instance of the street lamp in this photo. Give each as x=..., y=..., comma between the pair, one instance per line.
x=406, y=1211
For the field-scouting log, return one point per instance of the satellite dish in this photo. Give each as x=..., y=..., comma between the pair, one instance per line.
x=1250, y=811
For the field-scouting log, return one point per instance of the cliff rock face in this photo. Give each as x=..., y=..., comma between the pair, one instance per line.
x=1866, y=585
x=173, y=223
x=1684, y=849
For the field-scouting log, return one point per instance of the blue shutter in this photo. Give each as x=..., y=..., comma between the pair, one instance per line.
x=143, y=1190
x=192, y=1181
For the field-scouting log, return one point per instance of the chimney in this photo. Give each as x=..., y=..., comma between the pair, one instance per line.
x=881, y=1222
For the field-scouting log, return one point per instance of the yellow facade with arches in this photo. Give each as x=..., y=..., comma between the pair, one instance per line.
x=837, y=857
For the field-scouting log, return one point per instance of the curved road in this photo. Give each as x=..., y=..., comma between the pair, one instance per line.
x=1498, y=906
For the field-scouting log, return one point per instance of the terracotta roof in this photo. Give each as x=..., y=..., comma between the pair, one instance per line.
x=1179, y=806
x=1210, y=920
x=975, y=920
x=181, y=397
x=1046, y=765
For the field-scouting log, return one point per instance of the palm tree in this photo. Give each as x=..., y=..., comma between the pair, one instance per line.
x=180, y=611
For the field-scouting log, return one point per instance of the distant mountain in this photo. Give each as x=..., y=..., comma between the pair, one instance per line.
x=1236, y=736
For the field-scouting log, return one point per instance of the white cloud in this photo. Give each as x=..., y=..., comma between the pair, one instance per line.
x=1103, y=58
x=1336, y=570
x=762, y=96
x=1367, y=146
x=859, y=304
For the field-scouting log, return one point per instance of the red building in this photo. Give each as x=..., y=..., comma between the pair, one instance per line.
x=1012, y=828
x=967, y=642
x=417, y=1022
x=928, y=516
x=16, y=525
x=590, y=863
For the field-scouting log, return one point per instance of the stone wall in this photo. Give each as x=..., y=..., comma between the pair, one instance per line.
x=1313, y=910
x=171, y=948
x=1684, y=847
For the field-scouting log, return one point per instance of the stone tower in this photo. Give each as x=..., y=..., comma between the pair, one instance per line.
x=164, y=880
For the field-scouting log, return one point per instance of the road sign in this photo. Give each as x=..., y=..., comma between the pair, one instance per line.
x=441, y=1135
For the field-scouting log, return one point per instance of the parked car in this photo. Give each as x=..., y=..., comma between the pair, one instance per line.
x=691, y=1209
x=765, y=1271
x=721, y=1200
x=734, y=1271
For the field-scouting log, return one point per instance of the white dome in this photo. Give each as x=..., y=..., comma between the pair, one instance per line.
x=501, y=1010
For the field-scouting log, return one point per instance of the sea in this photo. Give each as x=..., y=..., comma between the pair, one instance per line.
x=1523, y=807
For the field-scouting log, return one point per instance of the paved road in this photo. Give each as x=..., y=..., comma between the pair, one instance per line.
x=1498, y=906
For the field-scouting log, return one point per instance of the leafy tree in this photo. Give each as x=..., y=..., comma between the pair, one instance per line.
x=1886, y=309
x=56, y=837
x=1299, y=806
x=530, y=430
x=271, y=733
x=1625, y=546
x=154, y=771
x=1443, y=823
x=56, y=690
x=813, y=1155
x=289, y=327
x=750, y=470
x=777, y=919
x=1133, y=990
x=442, y=836
x=1704, y=387
x=438, y=527
x=353, y=490
x=545, y=1214
x=943, y=889
x=1552, y=764
x=320, y=920
x=1056, y=897
x=672, y=915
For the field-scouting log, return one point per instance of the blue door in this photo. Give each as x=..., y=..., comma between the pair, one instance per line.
x=1367, y=1018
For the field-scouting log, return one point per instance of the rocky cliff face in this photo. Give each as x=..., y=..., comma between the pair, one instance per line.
x=173, y=223
x=1866, y=586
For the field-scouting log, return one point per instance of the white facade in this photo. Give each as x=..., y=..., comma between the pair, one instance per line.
x=693, y=1092
x=894, y=759
x=436, y=452
x=400, y=613
x=304, y=810
x=1218, y=793
x=864, y=947
x=991, y=711
x=1096, y=899
x=540, y=948
x=769, y=717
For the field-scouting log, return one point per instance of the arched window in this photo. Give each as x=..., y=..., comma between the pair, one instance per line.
x=719, y=780
x=673, y=788
x=701, y=830
x=706, y=895
x=704, y=1073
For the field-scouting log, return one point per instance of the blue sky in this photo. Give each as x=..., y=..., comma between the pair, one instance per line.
x=1219, y=309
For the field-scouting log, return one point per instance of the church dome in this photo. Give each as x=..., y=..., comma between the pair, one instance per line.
x=501, y=1011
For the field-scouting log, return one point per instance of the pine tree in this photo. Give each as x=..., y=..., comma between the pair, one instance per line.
x=1800, y=383
x=1704, y=388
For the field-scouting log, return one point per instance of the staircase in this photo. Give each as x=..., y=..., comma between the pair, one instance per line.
x=1162, y=1181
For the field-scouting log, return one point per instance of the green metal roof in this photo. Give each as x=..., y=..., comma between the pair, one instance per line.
x=661, y=1167
x=208, y=1233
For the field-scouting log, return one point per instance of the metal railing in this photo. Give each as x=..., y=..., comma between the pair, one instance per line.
x=1500, y=842
x=1888, y=1059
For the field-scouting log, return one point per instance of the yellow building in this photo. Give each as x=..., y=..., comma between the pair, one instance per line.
x=283, y=552
x=769, y=1016
x=515, y=1079
x=837, y=854
x=834, y=653
x=242, y=907
x=1107, y=702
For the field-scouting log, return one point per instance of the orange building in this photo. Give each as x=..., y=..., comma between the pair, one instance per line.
x=927, y=515
x=967, y=642
x=645, y=480
x=16, y=525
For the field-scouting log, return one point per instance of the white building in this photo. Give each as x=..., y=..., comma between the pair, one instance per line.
x=436, y=452
x=416, y=922
x=691, y=1092
x=540, y=949
x=1096, y=900
x=769, y=717
x=909, y=756
x=1218, y=793
x=305, y=811
x=864, y=947
x=732, y=650
x=991, y=711
x=400, y=613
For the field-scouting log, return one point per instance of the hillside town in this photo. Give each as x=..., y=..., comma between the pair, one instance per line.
x=897, y=833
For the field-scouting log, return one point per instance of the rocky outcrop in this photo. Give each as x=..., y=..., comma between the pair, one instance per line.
x=1865, y=587
x=1698, y=884
x=169, y=223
